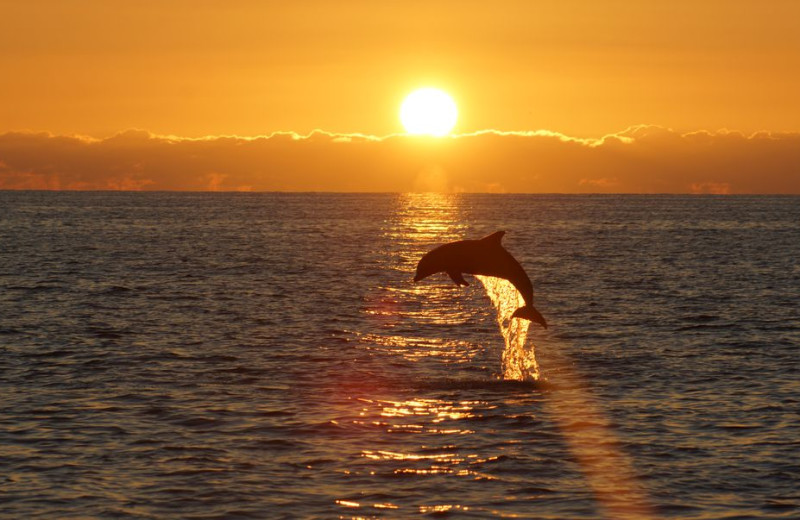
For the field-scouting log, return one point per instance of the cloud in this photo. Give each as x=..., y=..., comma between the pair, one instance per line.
x=641, y=159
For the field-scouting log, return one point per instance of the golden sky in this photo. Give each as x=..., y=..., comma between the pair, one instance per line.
x=251, y=67
x=553, y=96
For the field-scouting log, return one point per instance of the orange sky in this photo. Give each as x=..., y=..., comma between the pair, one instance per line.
x=251, y=67
x=626, y=96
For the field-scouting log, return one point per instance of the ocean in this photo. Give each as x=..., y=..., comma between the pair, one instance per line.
x=267, y=355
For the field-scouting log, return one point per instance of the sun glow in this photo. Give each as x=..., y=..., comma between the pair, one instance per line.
x=428, y=111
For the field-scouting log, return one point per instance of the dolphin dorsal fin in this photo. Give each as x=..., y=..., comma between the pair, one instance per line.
x=494, y=238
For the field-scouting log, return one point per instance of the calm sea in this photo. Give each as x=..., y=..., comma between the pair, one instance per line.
x=227, y=356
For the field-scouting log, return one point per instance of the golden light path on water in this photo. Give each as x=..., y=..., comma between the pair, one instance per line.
x=425, y=219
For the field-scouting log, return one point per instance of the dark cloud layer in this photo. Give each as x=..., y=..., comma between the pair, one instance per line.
x=638, y=160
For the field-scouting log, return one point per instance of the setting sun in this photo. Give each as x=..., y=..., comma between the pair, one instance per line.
x=428, y=111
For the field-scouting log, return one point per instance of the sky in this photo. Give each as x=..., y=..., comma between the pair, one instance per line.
x=524, y=74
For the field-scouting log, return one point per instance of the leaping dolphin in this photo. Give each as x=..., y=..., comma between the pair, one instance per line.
x=487, y=257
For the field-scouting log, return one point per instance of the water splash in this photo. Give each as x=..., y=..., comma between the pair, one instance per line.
x=518, y=361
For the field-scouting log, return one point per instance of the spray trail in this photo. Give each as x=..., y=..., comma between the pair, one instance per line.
x=519, y=362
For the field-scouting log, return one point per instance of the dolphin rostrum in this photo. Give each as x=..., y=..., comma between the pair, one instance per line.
x=486, y=257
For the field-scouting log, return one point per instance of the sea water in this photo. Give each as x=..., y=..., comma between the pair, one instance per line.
x=186, y=355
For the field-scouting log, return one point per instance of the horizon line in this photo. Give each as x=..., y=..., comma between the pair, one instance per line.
x=448, y=193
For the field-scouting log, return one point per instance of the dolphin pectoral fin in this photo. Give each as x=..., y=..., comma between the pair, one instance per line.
x=458, y=278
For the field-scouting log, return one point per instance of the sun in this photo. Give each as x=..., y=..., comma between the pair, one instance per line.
x=428, y=111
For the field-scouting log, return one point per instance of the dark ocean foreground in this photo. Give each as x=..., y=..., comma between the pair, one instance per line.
x=204, y=356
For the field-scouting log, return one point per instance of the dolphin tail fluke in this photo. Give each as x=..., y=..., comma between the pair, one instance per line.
x=530, y=313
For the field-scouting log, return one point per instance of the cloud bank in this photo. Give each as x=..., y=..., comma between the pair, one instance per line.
x=643, y=159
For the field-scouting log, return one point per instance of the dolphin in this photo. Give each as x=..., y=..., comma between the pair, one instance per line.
x=487, y=257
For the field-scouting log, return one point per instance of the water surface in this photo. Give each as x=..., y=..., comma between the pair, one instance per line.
x=178, y=355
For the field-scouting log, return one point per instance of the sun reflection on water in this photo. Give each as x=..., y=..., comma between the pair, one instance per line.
x=441, y=410
x=422, y=220
x=417, y=348
x=437, y=454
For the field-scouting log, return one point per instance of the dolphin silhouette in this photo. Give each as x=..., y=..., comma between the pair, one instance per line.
x=487, y=257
